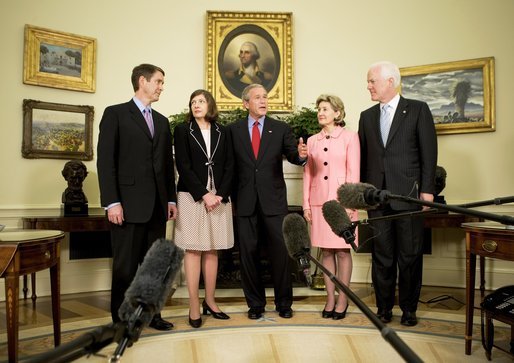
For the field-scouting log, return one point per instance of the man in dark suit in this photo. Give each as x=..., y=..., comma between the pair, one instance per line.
x=259, y=143
x=136, y=177
x=398, y=153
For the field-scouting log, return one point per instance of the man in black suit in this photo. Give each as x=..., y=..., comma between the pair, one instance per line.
x=136, y=177
x=398, y=153
x=261, y=198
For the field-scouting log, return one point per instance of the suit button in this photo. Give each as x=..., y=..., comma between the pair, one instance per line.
x=256, y=170
x=325, y=149
x=325, y=163
x=327, y=137
x=325, y=177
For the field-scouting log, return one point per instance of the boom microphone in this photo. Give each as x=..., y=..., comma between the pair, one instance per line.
x=356, y=196
x=149, y=290
x=296, y=238
x=339, y=222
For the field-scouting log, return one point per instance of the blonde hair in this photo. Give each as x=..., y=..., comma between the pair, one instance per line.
x=337, y=105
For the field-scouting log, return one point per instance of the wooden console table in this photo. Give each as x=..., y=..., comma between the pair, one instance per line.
x=486, y=239
x=91, y=223
x=23, y=252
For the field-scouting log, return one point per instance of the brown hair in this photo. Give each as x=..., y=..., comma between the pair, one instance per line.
x=212, y=109
x=337, y=105
x=145, y=70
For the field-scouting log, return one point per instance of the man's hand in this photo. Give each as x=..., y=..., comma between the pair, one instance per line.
x=172, y=211
x=302, y=149
x=115, y=214
x=427, y=197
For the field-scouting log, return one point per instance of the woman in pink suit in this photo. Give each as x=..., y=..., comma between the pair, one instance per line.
x=334, y=159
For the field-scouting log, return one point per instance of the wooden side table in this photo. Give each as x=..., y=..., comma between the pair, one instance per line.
x=485, y=239
x=23, y=252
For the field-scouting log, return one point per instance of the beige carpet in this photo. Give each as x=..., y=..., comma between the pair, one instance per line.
x=305, y=338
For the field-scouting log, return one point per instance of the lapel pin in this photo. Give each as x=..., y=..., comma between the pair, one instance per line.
x=404, y=111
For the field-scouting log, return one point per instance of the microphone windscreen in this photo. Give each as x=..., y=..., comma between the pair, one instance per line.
x=336, y=217
x=351, y=195
x=296, y=235
x=152, y=283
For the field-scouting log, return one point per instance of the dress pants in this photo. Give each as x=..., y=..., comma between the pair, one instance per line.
x=252, y=230
x=129, y=243
x=397, y=248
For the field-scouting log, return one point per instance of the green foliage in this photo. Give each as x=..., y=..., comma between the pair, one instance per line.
x=303, y=121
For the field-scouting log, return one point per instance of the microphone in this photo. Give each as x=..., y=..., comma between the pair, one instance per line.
x=339, y=222
x=148, y=291
x=357, y=196
x=296, y=238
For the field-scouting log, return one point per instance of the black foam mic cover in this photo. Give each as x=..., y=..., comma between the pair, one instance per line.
x=152, y=283
x=353, y=195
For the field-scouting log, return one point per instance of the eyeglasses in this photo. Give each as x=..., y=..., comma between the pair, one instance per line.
x=200, y=102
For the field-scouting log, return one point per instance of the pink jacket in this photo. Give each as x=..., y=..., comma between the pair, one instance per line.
x=333, y=160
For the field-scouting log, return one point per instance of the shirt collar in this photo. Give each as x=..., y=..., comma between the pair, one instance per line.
x=393, y=103
x=140, y=105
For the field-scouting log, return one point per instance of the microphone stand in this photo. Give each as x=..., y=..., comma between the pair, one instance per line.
x=384, y=195
x=387, y=333
x=124, y=333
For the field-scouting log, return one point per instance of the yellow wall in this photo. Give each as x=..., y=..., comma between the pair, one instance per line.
x=334, y=43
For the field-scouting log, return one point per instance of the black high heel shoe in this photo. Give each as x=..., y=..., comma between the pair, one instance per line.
x=196, y=323
x=327, y=314
x=216, y=315
x=338, y=316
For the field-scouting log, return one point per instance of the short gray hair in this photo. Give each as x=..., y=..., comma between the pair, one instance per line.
x=388, y=70
x=244, y=95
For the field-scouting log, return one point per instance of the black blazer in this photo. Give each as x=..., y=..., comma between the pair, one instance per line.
x=262, y=178
x=406, y=164
x=192, y=160
x=134, y=168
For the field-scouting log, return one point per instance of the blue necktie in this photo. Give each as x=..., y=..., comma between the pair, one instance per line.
x=385, y=123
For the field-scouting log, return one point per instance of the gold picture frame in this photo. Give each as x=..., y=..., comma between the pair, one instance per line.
x=59, y=60
x=460, y=94
x=57, y=131
x=267, y=34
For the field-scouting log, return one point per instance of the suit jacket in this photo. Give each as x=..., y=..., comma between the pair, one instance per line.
x=262, y=178
x=192, y=161
x=134, y=168
x=406, y=164
x=325, y=171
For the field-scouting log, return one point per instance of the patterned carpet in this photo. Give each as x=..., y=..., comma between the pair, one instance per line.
x=439, y=336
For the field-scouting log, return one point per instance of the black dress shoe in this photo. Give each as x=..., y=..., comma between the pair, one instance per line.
x=409, y=318
x=339, y=315
x=160, y=324
x=196, y=323
x=385, y=315
x=286, y=313
x=255, y=313
x=215, y=314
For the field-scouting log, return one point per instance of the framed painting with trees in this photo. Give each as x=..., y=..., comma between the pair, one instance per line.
x=59, y=60
x=460, y=94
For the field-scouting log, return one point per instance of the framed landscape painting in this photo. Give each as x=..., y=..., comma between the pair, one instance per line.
x=460, y=94
x=57, y=131
x=59, y=60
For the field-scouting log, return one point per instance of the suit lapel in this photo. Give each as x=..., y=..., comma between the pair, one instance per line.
x=399, y=117
x=266, y=136
x=244, y=136
x=139, y=119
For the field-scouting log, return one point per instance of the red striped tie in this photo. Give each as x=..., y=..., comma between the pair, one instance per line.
x=256, y=139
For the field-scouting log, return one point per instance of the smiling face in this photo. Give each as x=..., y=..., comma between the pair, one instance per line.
x=326, y=114
x=150, y=90
x=257, y=104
